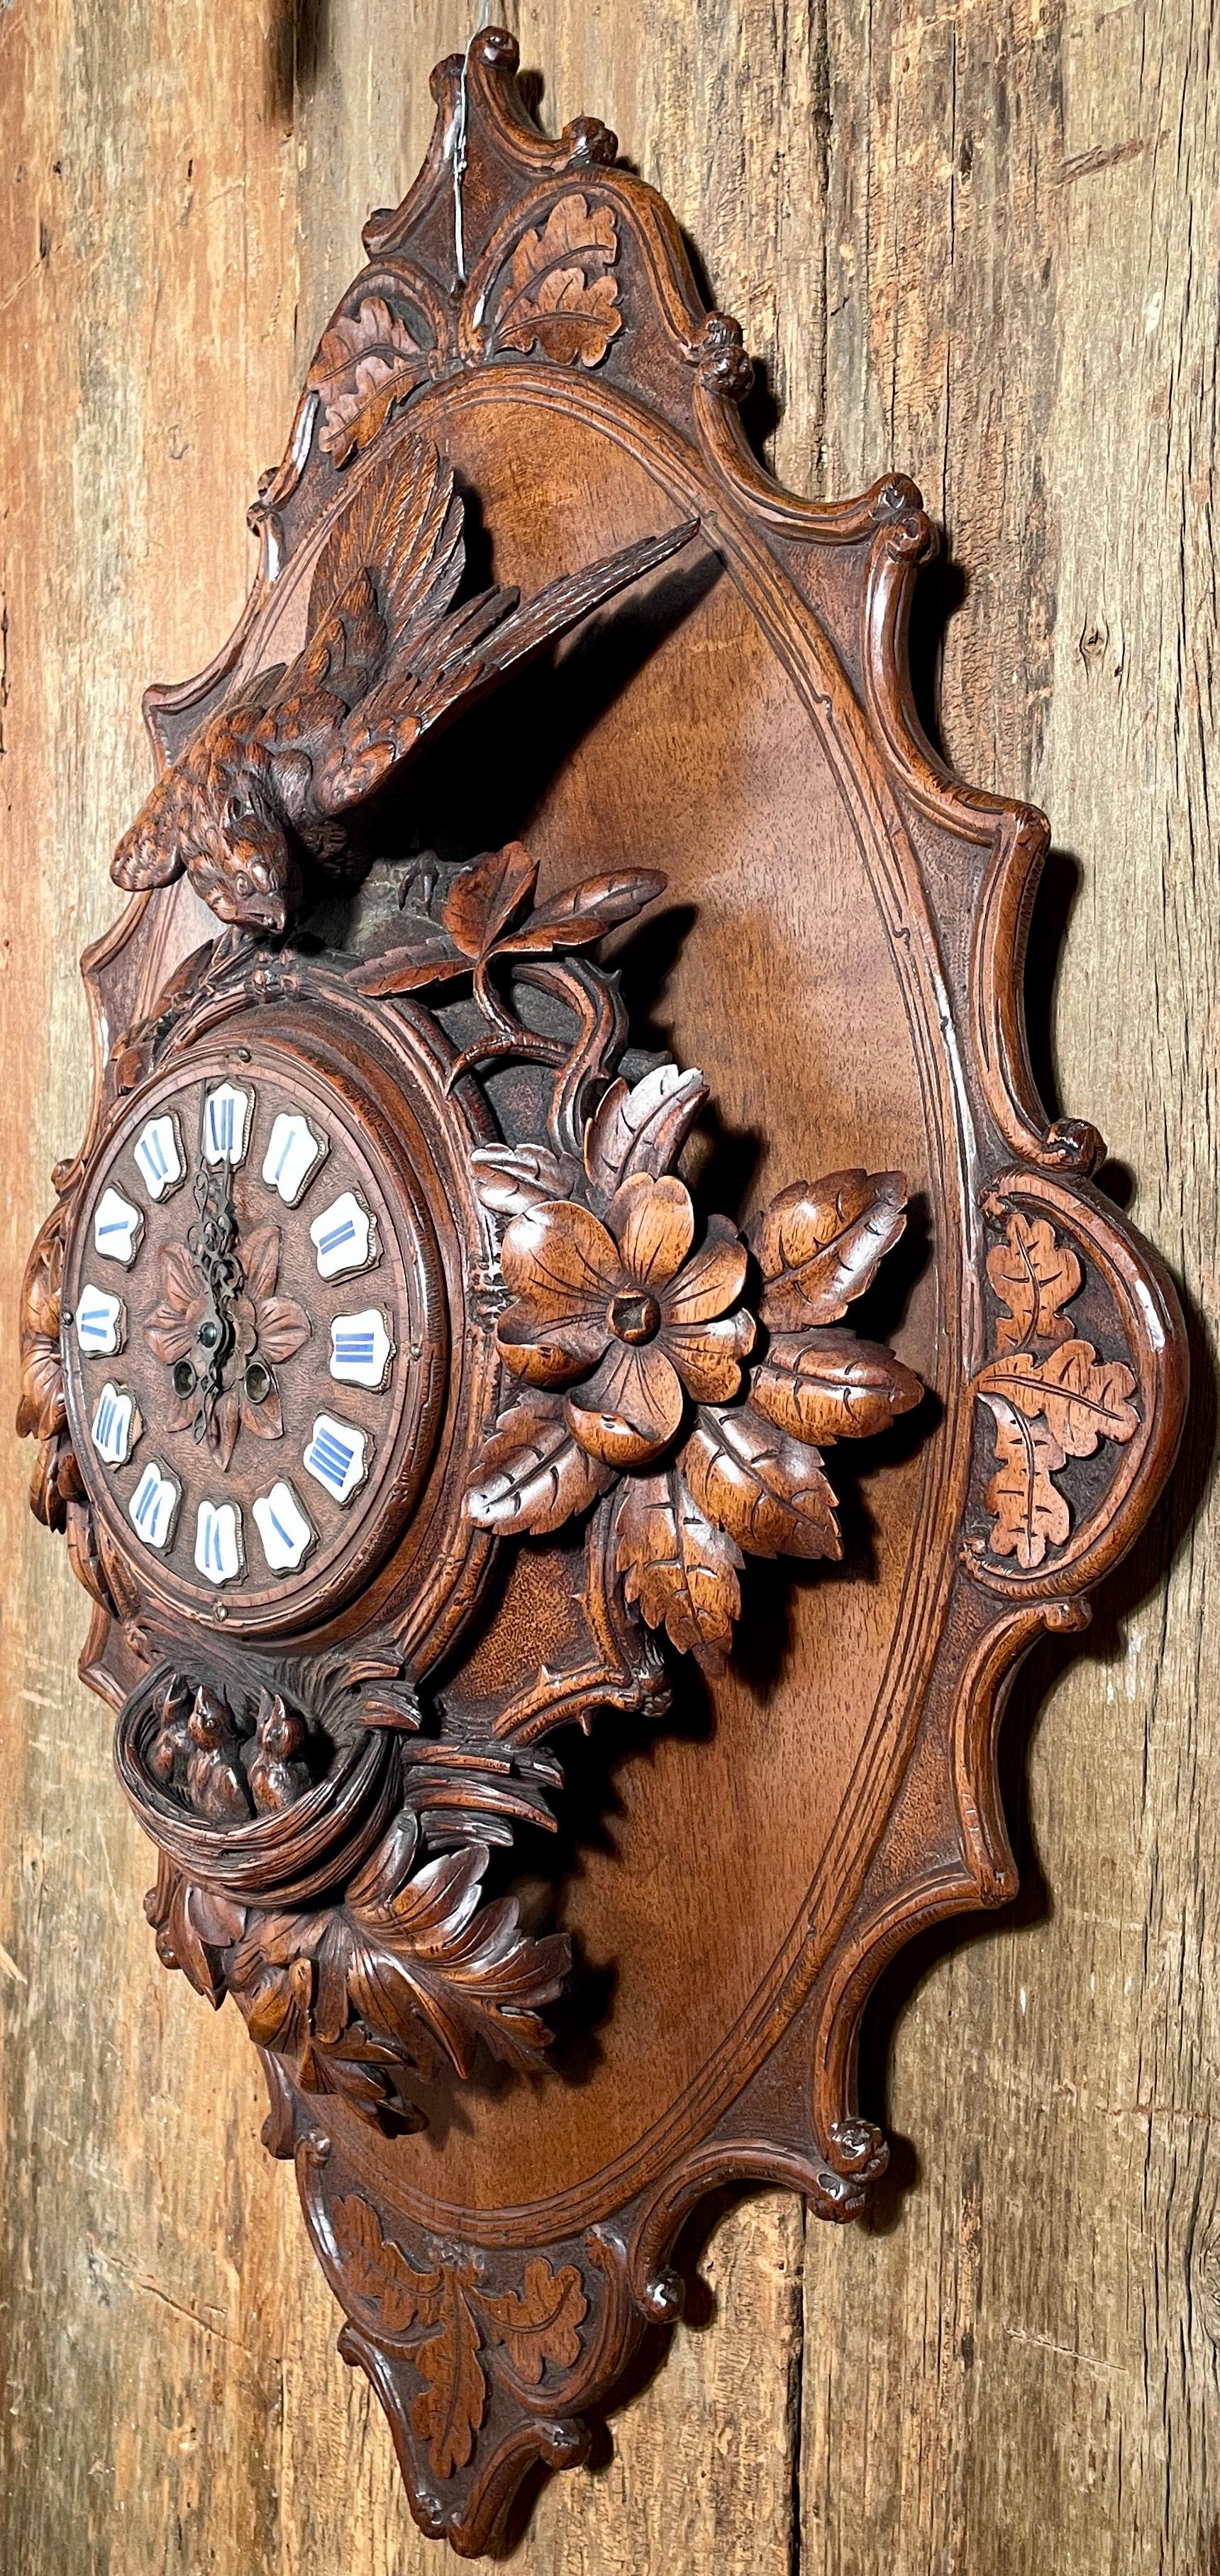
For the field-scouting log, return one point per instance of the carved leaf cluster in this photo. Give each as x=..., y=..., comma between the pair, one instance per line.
x=411, y=1969
x=645, y=1367
x=1050, y=1396
x=57, y=1492
x=559, y=294
x=367, y=363
x=556, y=295
x=488, y=914
x=454, y=2328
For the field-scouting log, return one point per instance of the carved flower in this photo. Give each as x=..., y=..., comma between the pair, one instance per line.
x=266, y=1329
x=626, y=1307
x=616, y=1321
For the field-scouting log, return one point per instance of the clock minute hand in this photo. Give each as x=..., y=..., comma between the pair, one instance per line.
x=210, y=1242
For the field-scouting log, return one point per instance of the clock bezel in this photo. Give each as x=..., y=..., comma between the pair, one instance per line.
x=414, y=1290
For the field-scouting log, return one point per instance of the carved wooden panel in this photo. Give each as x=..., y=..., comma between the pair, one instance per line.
x=424, y=1358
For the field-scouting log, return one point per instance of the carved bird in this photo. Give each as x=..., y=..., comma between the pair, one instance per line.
x=215, y=1781
x=172, y=1743
x=387, y=661
x=277, y=1780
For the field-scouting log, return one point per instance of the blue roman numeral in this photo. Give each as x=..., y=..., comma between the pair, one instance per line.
x=344, y=1233
x=220, y=1122
x=331, y=1457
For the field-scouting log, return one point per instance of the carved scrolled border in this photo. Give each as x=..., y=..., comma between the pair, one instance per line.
x=1017, y=836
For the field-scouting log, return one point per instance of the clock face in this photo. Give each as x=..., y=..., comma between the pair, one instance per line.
x=254, y=1338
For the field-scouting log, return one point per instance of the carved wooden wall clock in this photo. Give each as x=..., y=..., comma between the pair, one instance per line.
x=427, y=1362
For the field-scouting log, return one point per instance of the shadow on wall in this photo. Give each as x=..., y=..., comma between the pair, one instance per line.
x=298, y=50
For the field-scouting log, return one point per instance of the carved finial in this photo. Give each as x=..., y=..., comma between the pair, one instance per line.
x=588, y=143
x=720, y=355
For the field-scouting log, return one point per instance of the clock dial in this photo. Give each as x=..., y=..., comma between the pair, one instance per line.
x=250, y=1429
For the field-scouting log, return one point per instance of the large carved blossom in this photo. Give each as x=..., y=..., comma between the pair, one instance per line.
x=271, y=1327
x=628, y=1301
x=640, y=1362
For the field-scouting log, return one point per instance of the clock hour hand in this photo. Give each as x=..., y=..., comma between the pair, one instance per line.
x=211, y=1242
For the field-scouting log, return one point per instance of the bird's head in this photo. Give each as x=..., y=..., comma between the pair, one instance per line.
x=234, y=850
x=244, y=870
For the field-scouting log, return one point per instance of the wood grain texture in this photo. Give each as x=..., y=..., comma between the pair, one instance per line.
x=979, y=244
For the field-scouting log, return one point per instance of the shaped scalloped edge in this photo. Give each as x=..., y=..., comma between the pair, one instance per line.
x=841, y=2156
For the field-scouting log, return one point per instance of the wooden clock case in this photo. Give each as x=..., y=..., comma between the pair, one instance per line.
x=840, y=949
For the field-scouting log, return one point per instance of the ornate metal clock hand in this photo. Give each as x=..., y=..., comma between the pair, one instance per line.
x=211, y=1242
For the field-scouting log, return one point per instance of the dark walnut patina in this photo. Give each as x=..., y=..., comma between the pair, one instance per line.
x=422, y=1362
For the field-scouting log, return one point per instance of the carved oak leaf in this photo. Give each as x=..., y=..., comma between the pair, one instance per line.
x=40, y=1412
x=559, y=295
x=641, y=1129
x=424, y=1946
x=487, y=896
x=828, y=1386
x=1034, y=1275
x=481, y=920
x=1082, y=1398
x=367, y=363
x=678, y=1567
x=531, y=1474
x=764, y=1488
x=1029, y=1512
x=427, y=958
x=540, y=2322
x=449, y=2408
x=81, y=1534
x=585, y=912
x=194, y=1929
x=376, y=2270
x=819, y=1244
x=512, y=1179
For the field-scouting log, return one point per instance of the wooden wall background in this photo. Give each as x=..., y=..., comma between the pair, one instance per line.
x=977, y=239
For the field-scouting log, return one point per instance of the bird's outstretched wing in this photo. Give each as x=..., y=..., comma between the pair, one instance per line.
x=405, y=550
x=384, y=579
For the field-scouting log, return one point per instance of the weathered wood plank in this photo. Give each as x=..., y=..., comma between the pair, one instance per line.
x=977, y=242
x=1022, y=2369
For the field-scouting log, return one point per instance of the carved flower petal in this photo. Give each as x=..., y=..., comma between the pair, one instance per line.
x=560, y=1262
x=260, y=1261
x=282, y=1327
x=170, y=1333
x=225, y=1424
x=245, y=1326
x=180, y=1413
x=654, y=1225
x=265, y=1420
x=631, y=1408
x=550, y=1353
x=179, y=1277
x=706, y=1356
x=711, y=1280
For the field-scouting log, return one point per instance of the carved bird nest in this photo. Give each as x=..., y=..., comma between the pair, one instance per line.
x=288, y=1859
